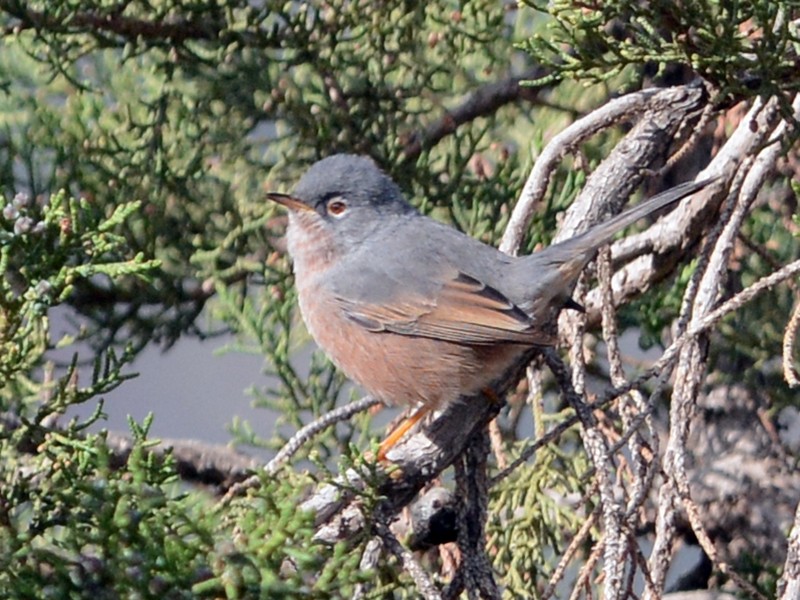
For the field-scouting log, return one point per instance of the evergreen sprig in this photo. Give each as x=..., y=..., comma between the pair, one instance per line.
x=744, y=48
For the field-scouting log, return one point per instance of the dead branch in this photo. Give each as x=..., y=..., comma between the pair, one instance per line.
x=668, y=109
x=789, y=583
x=699, y=302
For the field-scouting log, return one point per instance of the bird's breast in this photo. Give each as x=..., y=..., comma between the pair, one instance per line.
x=400, y=369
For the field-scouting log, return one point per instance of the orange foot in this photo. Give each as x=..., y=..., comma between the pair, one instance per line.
x=400, y=431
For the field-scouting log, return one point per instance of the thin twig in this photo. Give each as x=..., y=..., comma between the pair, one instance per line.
x=691, y=366
x=574, y=545
x=660, y=366
x=699, y=297
x=596, y=447
x=307, y=432
x=633, y=409
x=582, y=580
x=789, y=338
x=695, y=520
x=789, y=583
x=298, y=440
x=483, y=101
x=426, y=588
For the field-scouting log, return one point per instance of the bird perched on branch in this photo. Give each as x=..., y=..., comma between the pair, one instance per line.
x=416, y=312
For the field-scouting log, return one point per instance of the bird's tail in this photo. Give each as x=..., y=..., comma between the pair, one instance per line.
x=556, y=268
x=602, y=233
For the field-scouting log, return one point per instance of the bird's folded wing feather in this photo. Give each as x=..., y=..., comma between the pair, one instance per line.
x=464, y=311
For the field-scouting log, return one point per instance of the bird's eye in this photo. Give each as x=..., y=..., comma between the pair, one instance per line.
x=336, y=207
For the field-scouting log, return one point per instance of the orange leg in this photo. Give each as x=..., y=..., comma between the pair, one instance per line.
x=401, y=430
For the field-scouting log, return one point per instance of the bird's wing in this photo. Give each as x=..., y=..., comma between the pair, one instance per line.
x=463, y=310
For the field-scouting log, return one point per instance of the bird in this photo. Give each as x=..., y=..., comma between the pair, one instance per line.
x=416, y=312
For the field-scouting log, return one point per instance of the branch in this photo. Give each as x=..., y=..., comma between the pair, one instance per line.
x=700, y=299
x=661, y=367
x=176, y=30
x=420, y=458
x=196, y=462
x=789, y=583
x=653, y=255
x=299, y=439
x=475, y=570
x=416, y=460
x=484, y=101
x=667, y=108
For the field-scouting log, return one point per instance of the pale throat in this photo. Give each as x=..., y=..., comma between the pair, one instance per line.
x=310, y=244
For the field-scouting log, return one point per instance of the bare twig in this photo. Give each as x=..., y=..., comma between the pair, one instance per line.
x=307, y=432
x=596, y=447
x=789, y=583
x=734, y=304
x=423, y=455
x=426, y=588
x=298, y=440
x=633, y=409
x=699, y=299
x=585, y=573
x=789, y=338
x=661, y=367
x=692, y=360
x=696, y=521
x=574, y=545
x=676, y=102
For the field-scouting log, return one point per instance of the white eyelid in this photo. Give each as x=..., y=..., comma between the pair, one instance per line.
x=335, y=200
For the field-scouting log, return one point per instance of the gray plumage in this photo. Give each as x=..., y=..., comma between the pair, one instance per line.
x=394, y=252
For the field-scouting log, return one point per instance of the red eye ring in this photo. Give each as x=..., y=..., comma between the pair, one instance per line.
x=336, y=207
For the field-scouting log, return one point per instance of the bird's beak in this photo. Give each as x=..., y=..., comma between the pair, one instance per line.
x=289, y=202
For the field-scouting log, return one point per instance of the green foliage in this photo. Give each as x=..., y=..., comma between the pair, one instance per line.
x=187, y=108
x=77, y=525
x=77, y=519
x=74, y=523
x=745, y=48
x=530, y=514
x=143, y=134
x=46, y=249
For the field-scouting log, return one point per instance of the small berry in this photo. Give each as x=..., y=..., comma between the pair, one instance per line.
x=23, y=225
x=21, y=200
x=10, y=212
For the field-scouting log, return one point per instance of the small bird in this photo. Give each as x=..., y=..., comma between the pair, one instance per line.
x=413, y=310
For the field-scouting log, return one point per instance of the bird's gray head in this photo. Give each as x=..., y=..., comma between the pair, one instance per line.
x=346, y=195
